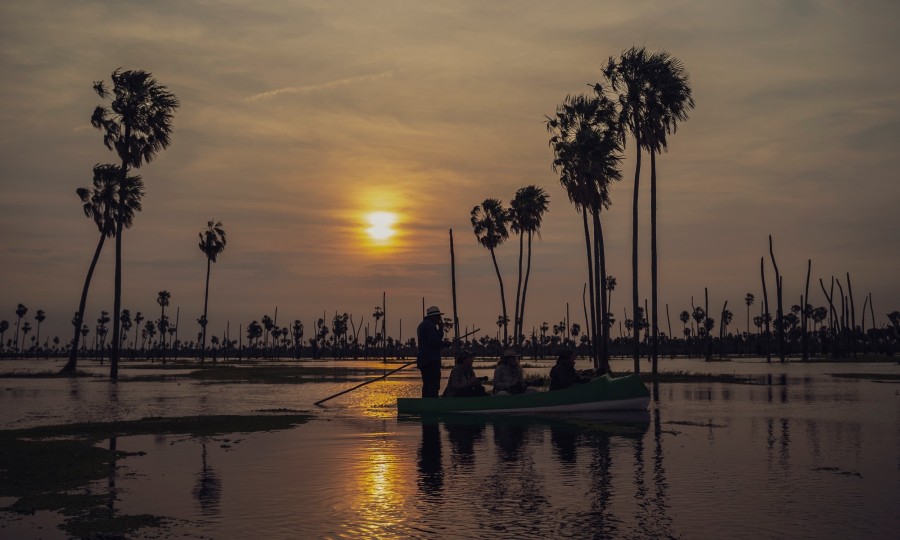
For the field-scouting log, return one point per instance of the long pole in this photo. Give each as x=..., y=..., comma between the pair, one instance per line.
x=341, y=393
x=453, y=282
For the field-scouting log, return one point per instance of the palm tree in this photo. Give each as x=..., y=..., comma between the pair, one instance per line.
x=162, y=298
x=136, y=125
x=654, y=95
x=39, y=317
x=21, y=310
x=527, y=210
x=212, y=244
x=489, y=222
x=26, y=328
x=100, y=204
x=4, y=326
x=749, y=299
x=587, y=153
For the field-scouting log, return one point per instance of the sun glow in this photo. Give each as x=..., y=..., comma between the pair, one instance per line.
x=381, y=226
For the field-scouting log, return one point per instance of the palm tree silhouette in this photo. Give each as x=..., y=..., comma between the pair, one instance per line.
x=4, y=326
x=136, y=125
x=212, y=244
x=587, y=152
x=653, y=95
x=40, y=317
x=21, y=310
x=527, y=210
x=162, y=298
x=489, y=222
x=749, y=299
x=101, y=204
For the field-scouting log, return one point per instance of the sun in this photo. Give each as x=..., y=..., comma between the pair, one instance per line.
x=381, y=226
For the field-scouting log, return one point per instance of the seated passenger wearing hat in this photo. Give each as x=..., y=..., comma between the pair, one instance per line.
x=508, y=375
x=462, y=381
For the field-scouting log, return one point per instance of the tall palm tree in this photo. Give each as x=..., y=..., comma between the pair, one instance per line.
x=100, y=204
x=137, y=125
x=212, y=244
x=749, y=299
x=653, y=95
x=527, y=211
x=21, y=310
x=587, y=151
x=40, y=317
x=489, y=222
x=163, y=298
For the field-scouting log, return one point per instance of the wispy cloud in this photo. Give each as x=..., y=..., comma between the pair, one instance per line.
x=319, y=87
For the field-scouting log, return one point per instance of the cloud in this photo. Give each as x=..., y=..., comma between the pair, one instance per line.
x=319, y=87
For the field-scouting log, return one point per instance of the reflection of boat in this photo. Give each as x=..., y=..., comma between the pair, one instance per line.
x=600, y=394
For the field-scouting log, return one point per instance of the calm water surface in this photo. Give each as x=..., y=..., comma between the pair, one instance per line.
x=807, y=456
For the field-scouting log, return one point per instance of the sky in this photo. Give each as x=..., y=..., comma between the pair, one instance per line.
x=299, y=118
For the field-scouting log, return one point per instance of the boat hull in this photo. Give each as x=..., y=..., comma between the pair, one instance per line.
x=600, y=394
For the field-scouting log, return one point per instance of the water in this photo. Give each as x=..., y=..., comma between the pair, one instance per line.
x=809, y=456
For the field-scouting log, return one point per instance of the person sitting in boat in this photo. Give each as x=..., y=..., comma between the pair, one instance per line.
x=563, y=374
x=463, y=382
x=509, y=378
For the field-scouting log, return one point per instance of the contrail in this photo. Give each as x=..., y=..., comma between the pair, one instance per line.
x=319, y=87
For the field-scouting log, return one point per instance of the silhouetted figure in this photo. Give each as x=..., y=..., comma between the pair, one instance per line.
x=462, y=381
x=431, y=470
x=430, y=335
x=563, y=374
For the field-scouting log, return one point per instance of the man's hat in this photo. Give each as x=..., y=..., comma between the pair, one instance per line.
x=433, y=310
x=508, y=353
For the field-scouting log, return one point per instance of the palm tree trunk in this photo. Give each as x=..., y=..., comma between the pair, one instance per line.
x=517, y=323
x=205, y=304
x=73, y=354
x=779, y=314
x=852, y=318
x=502, y=299
x=654, y=330
x=525, y=285
x=600, y=275
x=636, y=353
x=590, y=264
x=803, y=320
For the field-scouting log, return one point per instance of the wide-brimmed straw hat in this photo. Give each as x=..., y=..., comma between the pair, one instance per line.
x=509, y=353
x=433, y=310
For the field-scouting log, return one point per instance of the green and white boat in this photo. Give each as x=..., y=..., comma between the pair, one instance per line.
x=600, y=394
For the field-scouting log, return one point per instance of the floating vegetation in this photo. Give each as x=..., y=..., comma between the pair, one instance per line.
x=46, y=472
x=878, y=377
x=43, y=374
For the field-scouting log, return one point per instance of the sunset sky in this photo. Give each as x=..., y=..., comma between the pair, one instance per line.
x=298, y=119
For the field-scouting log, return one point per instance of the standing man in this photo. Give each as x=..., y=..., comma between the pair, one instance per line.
x=430, y=335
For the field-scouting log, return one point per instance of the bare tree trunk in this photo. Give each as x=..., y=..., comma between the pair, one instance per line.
x=779, y=315
x=803, y=312
x=72, y=364
x=456, y=343
x=636, y=328
x=654, y=271
x=852, y=318
x=766, y=317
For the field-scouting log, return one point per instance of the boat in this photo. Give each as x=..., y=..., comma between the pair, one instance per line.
x=600, y=394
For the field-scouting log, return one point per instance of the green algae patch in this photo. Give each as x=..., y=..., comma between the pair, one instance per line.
x=187, y=425
x=894, y=377
x=44, y=374
x=50, y=468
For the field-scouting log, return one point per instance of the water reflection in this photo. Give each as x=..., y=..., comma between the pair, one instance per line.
x=431, y=470
x=208, y=486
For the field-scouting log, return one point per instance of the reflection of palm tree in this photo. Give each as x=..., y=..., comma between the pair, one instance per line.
x=136, y=125
x=489, y=221
x=527, y=211
x=212, y=243
x=586, y=156
x=101, y=204
x=208, y=488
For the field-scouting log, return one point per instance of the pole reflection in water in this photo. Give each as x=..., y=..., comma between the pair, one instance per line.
x=208, y=487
